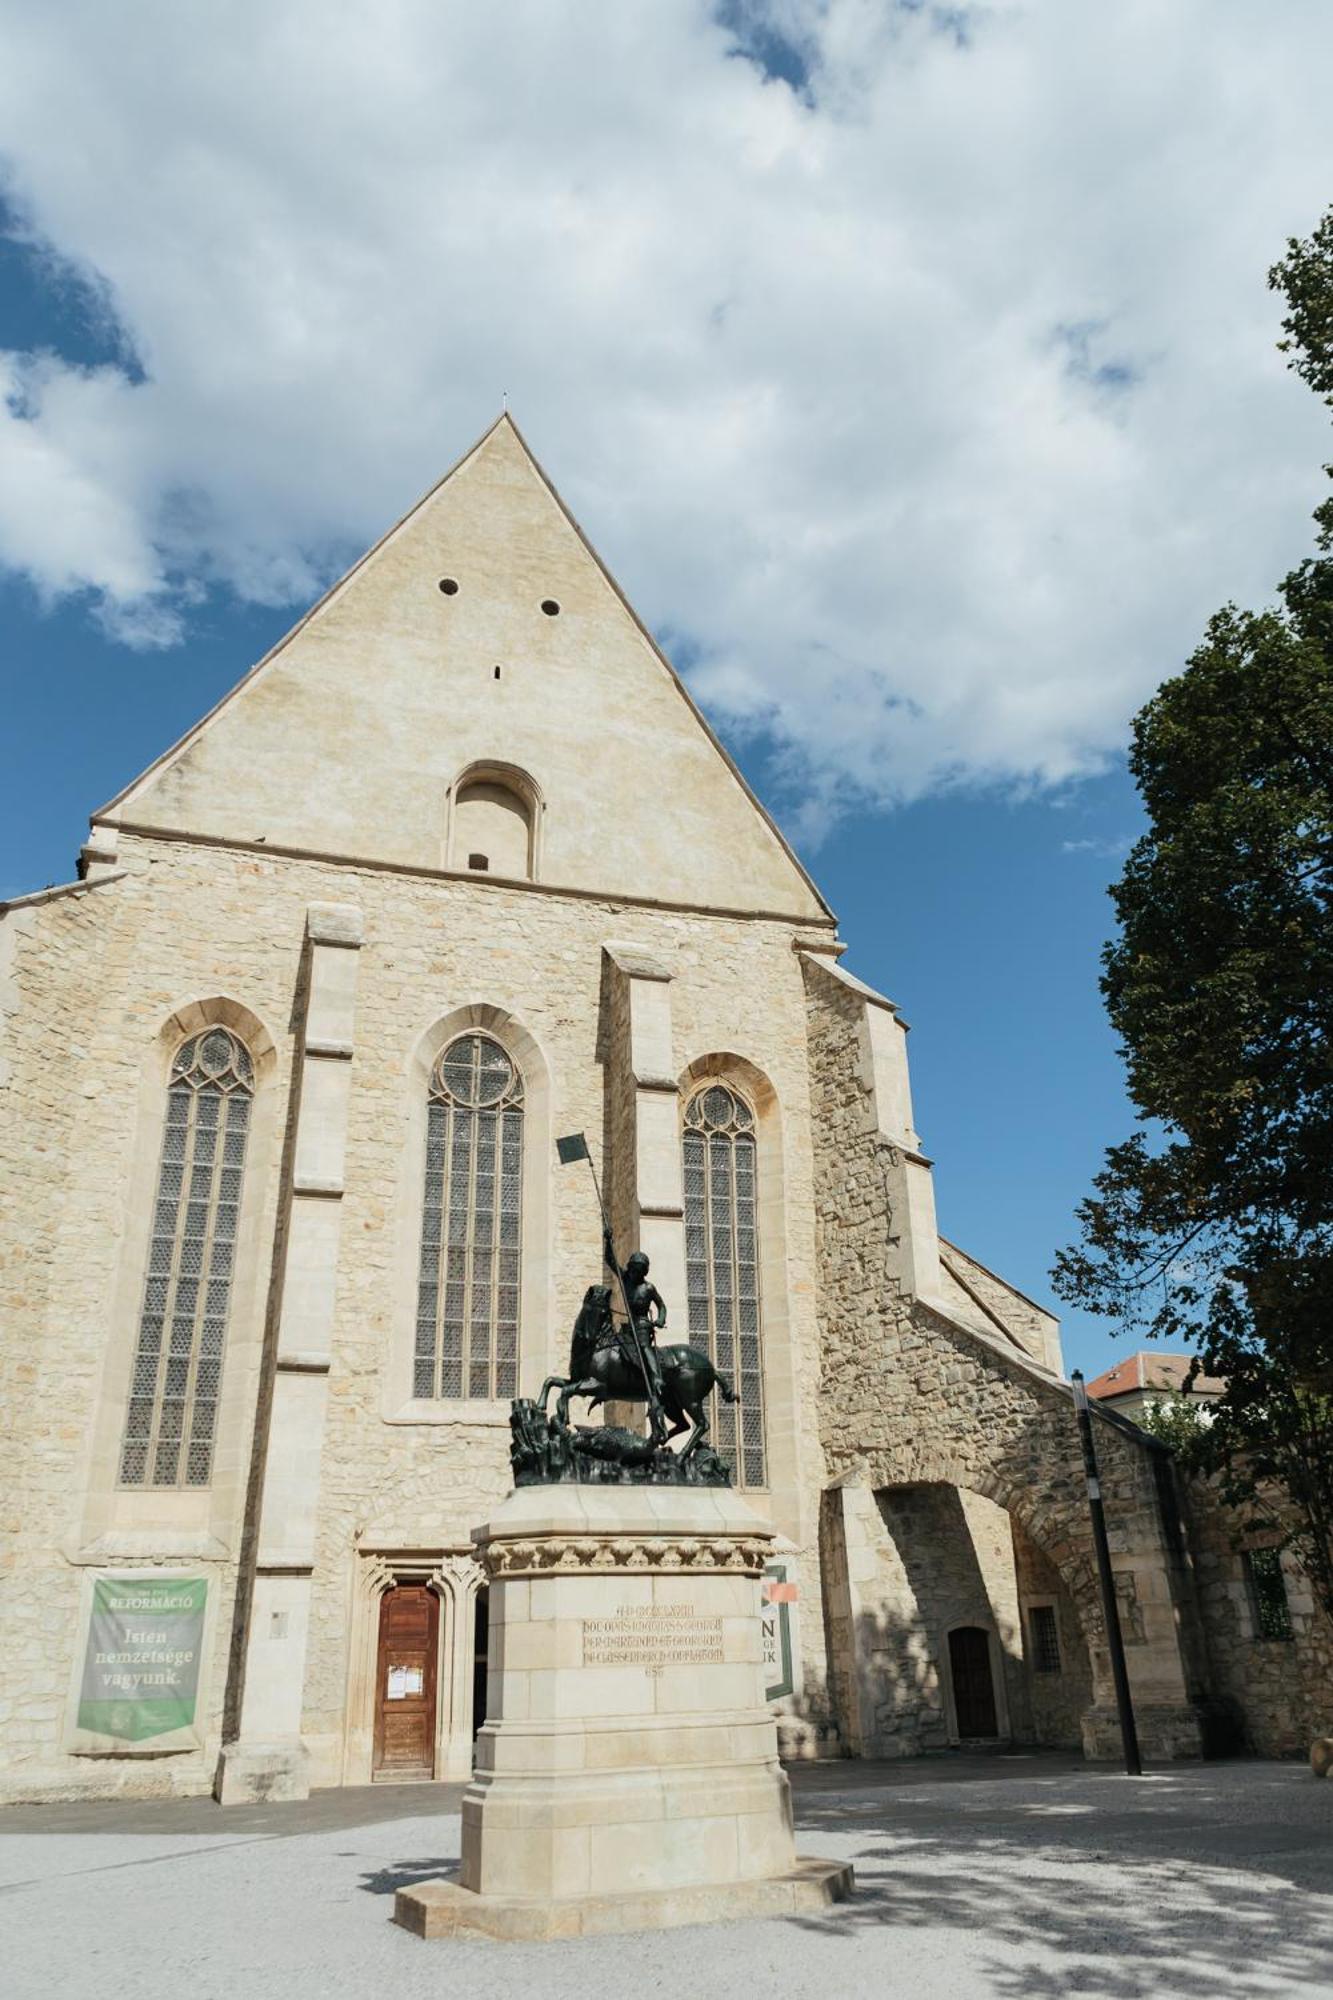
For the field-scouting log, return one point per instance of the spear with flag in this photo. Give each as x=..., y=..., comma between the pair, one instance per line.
x=575, y=1147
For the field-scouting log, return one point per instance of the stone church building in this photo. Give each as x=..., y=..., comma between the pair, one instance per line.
x=459, y=868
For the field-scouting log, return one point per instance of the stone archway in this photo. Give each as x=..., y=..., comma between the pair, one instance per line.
x=906, y=1568
x=455, y=1578
x=981, y=1422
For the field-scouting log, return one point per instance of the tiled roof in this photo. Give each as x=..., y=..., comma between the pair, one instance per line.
x=1146, y=1370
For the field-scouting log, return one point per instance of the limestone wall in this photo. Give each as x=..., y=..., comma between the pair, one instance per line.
x=1055, y=1702
x=868, y=1390
x=94, y=981
x=904, y=1568
x=93, y=978
x=352, y=738
x=1006, y=1308
x=955, y=1552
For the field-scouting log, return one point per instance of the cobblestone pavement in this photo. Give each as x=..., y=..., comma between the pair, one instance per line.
x=1024, y=1877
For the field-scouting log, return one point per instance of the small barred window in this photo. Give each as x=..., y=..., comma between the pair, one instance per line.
x=1045, y=1639
x=472, y=1224
x=173, y=1406
x=1268, y=1594
x=722, y=1268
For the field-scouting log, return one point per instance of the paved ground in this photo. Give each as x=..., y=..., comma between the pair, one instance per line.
x=1022, y=1877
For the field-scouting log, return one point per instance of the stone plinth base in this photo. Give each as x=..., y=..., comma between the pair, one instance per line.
x=628, y=1765
x=262, y=1774
x=1166, y=1734
x=443, y=1909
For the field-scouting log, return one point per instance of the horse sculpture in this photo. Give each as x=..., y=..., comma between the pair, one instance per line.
x=601, y=1370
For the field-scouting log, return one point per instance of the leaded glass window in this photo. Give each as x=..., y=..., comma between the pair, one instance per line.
x=472, y=1226
x=183, y=1321
x=1268, y=1594
x=722, y=1268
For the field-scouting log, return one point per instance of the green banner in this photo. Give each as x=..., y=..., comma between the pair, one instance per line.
x=141, y=1670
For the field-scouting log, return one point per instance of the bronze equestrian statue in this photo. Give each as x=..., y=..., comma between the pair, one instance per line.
x=675, y=1382
x=648, y=1318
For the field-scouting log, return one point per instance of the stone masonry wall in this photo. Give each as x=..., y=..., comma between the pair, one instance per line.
x=1056, y=1702
x=955, y=1552
x=1276, y=1694
x=93, y=979
x=1035, y=1330
x=907, y=1396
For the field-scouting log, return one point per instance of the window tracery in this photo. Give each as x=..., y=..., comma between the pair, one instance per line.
x=722, y=1267
x=471, y=1233
x=172, y=1415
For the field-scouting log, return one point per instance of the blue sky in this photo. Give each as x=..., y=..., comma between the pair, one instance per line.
x=912, y=366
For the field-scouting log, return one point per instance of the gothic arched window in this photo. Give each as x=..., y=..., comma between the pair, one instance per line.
x=471, y=1230
x=722, y=1267
x=183, y=1321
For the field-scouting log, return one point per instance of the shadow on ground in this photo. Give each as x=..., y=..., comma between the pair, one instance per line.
x=1170, y=1888
x=406, y=1875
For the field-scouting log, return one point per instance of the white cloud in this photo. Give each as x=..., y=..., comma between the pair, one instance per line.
x=1105, y=849
x=930, y=404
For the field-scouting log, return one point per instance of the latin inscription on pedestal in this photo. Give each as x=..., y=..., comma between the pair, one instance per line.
x=654, y=1637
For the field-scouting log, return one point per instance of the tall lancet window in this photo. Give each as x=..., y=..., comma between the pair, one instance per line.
x=471, y=1230
x=722, y=1268
x=183, y=1322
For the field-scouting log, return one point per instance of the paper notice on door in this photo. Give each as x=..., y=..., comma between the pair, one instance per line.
x=404, y=1681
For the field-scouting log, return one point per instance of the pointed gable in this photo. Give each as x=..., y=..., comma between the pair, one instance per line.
x=351, y=737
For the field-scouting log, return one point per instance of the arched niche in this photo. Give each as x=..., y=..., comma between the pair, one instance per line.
x=494, y=822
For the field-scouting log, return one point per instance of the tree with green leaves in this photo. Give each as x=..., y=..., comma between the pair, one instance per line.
x=1212, y=1224
x=1175, y=1419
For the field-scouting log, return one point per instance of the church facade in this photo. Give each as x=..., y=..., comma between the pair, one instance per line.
x=459, y=869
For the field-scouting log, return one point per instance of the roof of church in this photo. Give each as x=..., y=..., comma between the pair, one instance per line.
x=481, y=631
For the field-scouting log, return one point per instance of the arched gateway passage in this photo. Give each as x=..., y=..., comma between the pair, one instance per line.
x=946, y=1624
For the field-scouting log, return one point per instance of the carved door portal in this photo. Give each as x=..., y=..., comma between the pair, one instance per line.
x=973, y=1687
x=405, y=1686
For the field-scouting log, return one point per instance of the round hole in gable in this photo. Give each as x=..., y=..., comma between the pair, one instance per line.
x=449, y=585
x=550, y=607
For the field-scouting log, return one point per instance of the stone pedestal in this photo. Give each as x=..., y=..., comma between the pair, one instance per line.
x=627, y=1774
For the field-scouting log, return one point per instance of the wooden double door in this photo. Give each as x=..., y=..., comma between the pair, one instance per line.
x=407, y=1678
x=407, y=1682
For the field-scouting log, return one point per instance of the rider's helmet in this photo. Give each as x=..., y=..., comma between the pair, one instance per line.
x=637, y=1267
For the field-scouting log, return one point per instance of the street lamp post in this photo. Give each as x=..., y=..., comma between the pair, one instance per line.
x=1129, y=1735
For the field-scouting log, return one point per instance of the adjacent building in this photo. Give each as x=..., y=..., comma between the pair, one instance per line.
x=1136, y=1386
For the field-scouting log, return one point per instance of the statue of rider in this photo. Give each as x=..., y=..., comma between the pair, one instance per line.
x=648, y=1312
